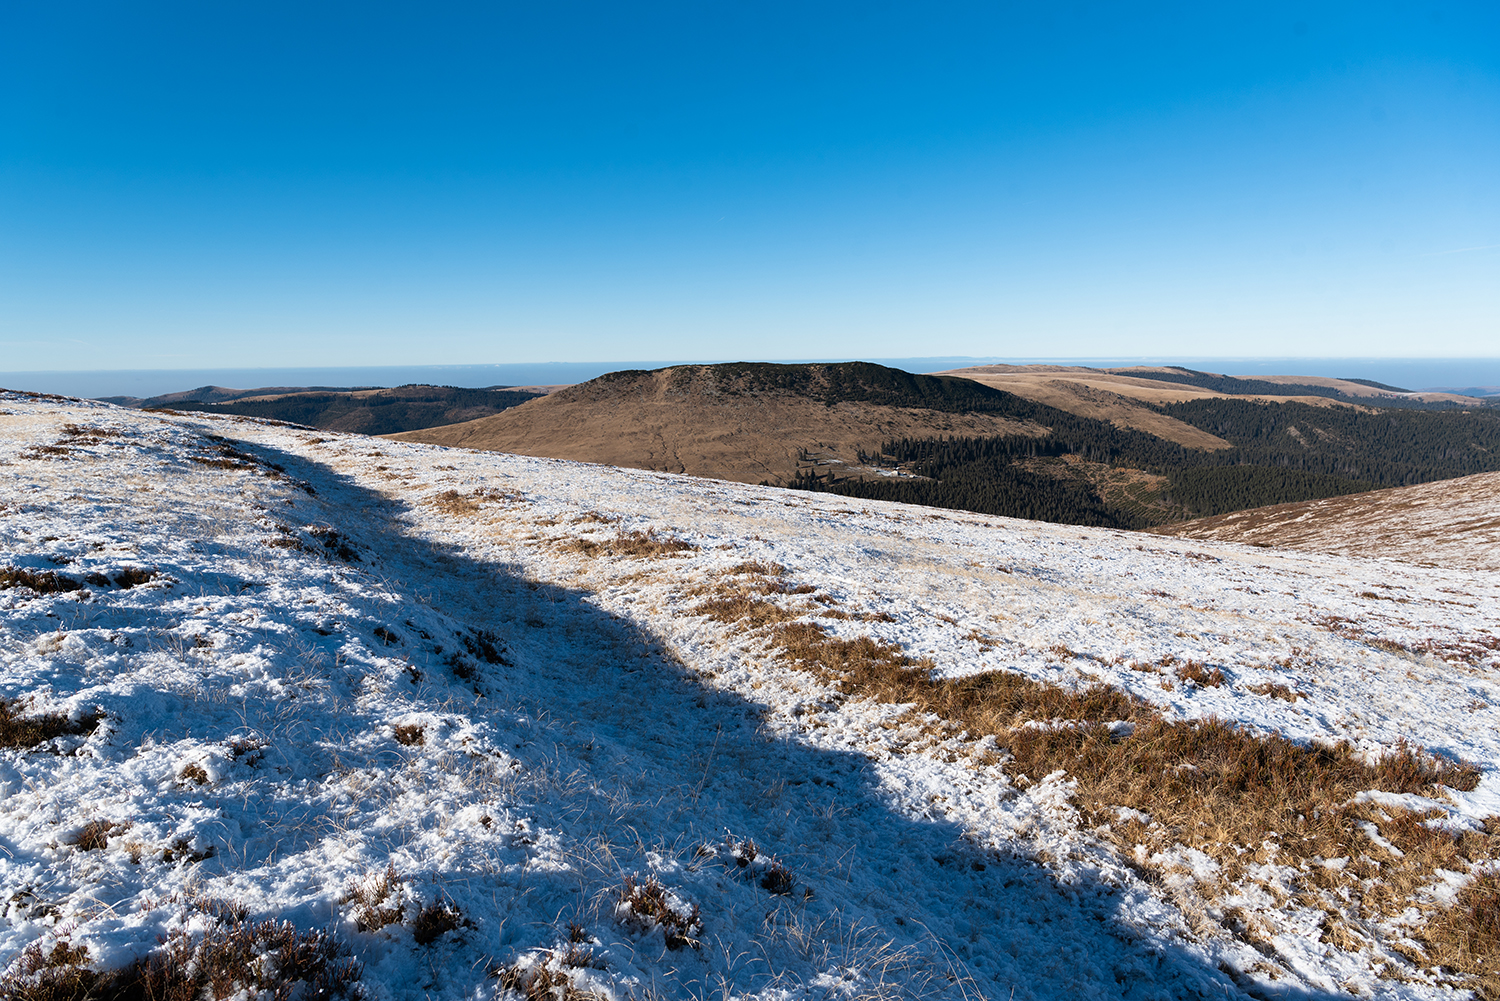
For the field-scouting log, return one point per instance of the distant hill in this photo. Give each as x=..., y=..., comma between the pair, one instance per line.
x=1105, y=458
x=1453, y=523
x=361, y=411
x=745, y=422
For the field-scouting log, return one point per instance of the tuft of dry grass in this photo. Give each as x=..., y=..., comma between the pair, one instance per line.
x=1465, y=938
x=194, y=773
x=546, y=978
x=759, y=568
x=635, y=545
x=436, y=920
x=96, y=834
x=647, y=904
x=1199, y=674
x=40, y=581
x=410, y=735
x=461, y=505
x=454, y=503
x=1273, y=690
x=26, y=732
x=376, y=899
x=268, y=959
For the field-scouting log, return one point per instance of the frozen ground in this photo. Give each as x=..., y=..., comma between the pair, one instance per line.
x=335, y=670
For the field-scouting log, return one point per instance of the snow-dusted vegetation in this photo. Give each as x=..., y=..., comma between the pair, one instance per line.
x=292, y=713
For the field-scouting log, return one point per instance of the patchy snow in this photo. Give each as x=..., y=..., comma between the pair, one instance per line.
x=331, y=671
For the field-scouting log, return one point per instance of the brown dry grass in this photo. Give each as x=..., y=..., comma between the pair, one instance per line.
x=1238, y=796
x=40, y=581
x=547, y=979
x=635, y=545
x=26, y=732
x=1276, y=691
x=454, y=503
x=267, y=959
x=410, y=734
x=375, y=899
x=1196, y=672
x=645, y=904
x=436, y=920
x=96, y=834
x=1463, y=938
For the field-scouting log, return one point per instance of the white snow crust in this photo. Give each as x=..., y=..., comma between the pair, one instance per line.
x=579, y=726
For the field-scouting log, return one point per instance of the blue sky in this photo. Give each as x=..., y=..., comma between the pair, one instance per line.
x=235, y=184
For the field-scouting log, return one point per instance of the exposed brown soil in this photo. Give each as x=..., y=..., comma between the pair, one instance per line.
x=678, y=420
x=1452, y=523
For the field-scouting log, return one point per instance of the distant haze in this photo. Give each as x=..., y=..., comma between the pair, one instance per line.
x=1407, y=373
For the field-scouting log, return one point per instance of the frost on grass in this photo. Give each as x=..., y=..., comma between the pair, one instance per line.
x=469, y=727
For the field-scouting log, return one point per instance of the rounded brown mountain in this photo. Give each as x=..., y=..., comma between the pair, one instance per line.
x=750, y=422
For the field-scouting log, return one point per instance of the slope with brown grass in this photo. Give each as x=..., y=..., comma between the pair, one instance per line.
x=1453, y=523
x=681, y=420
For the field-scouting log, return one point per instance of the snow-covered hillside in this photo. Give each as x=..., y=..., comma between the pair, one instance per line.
x=506, y=726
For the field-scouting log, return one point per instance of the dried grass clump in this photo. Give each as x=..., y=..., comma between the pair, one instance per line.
x=26, y=732
x=648, y=905
x=376, y=899
x=454, y=503
x=436, y=920
x=40, y=581
x=760, y=568
x=96, y=834
x=270, y=959
x=485, y=645
x=742, y=605
x=1199, y=674
x=546, y=978
x=194, y=773
x=410, y=735
x=461, y=505
x=1272, y=690
x=744, y=600
x=133, y=577
x=335, y=542
x=635, y=545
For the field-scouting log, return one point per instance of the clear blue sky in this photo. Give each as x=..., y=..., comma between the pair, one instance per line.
x=271, y=184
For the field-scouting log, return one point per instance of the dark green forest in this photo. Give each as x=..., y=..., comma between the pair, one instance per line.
x=1282, y=453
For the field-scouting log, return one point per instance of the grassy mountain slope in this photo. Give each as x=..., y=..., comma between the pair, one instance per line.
x=746, y=422
x=296, y=714
x=361, y=411
x=1449, y=523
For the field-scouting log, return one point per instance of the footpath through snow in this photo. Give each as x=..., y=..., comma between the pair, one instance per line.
x=394, y=691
